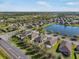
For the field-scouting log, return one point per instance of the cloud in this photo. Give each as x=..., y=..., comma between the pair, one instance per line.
x=69, y=9
x=72, y=9
x=72, y=3
x=43, y=4
x=8, y=6
x=39, y=5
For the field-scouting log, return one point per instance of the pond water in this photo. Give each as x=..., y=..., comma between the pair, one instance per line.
x=64, y=30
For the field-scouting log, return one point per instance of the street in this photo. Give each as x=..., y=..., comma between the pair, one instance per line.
x=13, y=51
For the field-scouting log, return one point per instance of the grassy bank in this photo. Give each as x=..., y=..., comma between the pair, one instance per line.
x=75, y=25
x=3, y=54
x=45, y=25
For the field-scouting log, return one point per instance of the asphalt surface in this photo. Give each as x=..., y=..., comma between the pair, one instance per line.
x=13, y=51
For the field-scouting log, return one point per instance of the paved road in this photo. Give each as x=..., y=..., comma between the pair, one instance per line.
x=15, y=52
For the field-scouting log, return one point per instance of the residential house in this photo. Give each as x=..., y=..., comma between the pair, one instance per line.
x=38, y=40
x=51, y=41
x=34, y=34
x=65, y=48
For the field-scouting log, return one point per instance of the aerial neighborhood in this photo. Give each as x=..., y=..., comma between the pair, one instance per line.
x=39, y=37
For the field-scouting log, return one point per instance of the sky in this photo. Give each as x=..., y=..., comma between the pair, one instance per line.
x=39, y=5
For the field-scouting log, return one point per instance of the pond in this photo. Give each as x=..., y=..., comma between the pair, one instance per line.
x=64, y=30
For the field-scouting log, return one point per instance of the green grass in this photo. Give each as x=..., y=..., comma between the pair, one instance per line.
x=3, y=26
x=3, y=54
x=54, y=49
x=1, y=57
x=77, y=56
x=14, y=39
x=75, y=25
x=45, y=25
x=72, y=55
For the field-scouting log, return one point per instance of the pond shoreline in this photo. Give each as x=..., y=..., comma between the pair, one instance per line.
x=64, y=30
x=74, y=25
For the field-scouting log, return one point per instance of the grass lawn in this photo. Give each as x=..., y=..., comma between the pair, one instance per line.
x=45, y=25
x=75, y=25
x=53, y=49
x=4, y=54
x=77, y=56
x=73, y=56
x=1, y=57
x=3, y=26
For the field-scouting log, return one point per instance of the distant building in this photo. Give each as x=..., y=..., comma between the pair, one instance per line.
x=75, y=21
